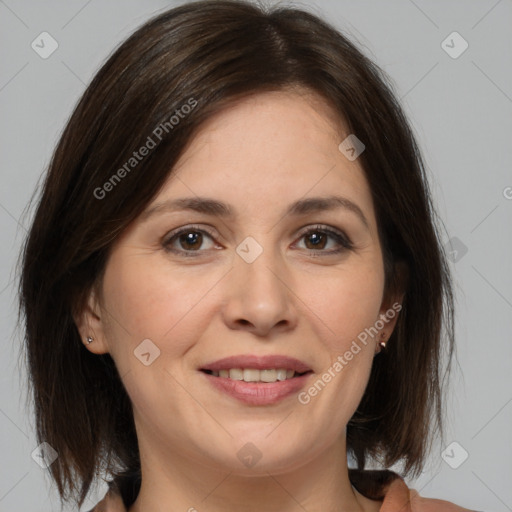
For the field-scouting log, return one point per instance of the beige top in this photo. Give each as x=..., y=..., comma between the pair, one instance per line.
x=397, y=496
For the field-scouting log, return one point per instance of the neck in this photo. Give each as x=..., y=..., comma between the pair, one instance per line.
x=177, y=482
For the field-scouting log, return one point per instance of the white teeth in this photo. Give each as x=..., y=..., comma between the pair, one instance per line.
x=273, y=375
x=235, y=374
x=282, y=374
x=253, y=375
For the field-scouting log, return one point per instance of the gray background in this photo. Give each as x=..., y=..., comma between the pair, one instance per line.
x=461, y=111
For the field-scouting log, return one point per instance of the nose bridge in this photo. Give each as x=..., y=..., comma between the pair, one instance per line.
x=257, y=264
x=258, y=297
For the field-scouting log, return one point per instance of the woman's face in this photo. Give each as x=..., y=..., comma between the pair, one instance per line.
x=251, y=283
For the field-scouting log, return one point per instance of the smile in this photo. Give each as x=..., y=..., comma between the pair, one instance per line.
x=255, y=375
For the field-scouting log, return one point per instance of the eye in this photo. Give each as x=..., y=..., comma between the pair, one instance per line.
x=190, y=239
x=317, y=238
x=187, y=240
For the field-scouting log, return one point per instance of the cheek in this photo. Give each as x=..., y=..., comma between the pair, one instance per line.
x=347, y=303
x=346, y=308
x=148, y=299
x=142, y=302
x=146, y=302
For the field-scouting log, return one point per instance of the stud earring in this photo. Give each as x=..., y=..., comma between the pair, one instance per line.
x=89, y=340
x=382, y=343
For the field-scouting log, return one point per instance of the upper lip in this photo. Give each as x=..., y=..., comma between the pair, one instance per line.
x=257, y=363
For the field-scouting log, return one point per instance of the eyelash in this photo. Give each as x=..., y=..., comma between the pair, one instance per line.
x=339, y=237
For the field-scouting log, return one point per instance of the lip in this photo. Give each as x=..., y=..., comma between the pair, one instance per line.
x=256, y=393
x=258, y=363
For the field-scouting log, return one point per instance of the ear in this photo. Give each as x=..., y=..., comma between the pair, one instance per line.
x=392, y=304
x=91, y=322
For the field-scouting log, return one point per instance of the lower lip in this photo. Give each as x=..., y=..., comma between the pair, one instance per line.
x=258, y=393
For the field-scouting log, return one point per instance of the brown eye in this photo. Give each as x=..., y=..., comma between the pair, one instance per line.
x=318, y=238
x=187, y=241
x=190, y=240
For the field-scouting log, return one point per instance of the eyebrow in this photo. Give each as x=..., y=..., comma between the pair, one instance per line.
x=216, y=208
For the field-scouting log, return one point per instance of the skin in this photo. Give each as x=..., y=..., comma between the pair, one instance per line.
x=271, y=149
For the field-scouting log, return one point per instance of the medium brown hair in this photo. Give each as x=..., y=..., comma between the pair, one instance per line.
x=217, y=52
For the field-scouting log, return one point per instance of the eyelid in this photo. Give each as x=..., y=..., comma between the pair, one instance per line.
x=320, y=227
x=190, y=227
x=166, y=241
x=339, y=236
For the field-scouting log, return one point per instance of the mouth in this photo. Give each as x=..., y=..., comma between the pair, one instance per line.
x=257, y=375
x=257, y=368
x=257, y=380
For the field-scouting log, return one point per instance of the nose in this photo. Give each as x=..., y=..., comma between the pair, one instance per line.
x=259, y=299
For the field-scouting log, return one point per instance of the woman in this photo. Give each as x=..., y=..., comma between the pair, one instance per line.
x=234, y=280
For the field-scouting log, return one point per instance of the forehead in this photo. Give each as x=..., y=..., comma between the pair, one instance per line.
x=266, y=126
x=267, y=151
